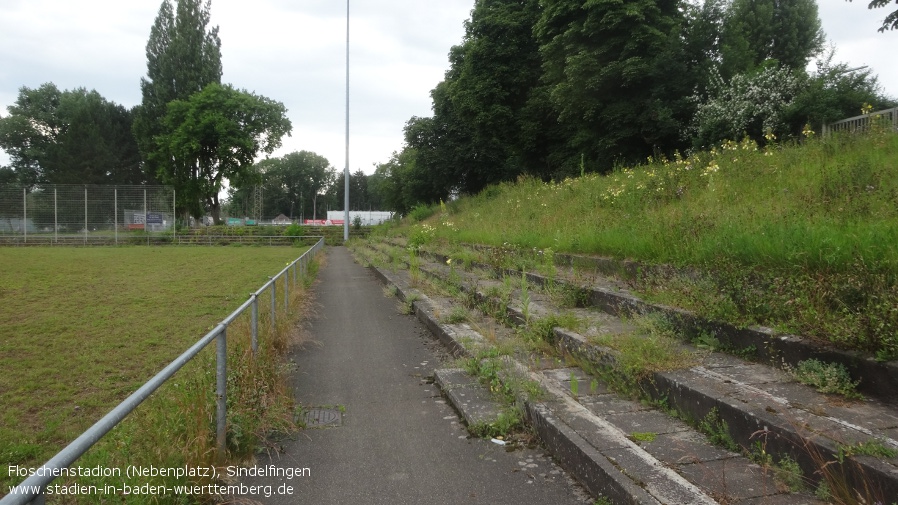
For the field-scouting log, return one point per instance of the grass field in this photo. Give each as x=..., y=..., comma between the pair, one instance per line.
x=81, y=328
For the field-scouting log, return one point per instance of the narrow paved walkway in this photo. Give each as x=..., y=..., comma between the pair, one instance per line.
x=399, y=443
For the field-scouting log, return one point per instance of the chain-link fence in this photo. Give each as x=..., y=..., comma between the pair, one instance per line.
x=72, y=213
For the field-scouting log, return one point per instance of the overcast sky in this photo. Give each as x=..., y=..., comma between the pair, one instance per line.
x=294, y=52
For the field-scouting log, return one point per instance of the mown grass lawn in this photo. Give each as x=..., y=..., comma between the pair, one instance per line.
x=81, y=328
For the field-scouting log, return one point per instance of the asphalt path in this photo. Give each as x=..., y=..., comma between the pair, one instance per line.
x=398, y=441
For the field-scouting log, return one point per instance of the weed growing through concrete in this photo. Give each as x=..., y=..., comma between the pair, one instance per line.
x=718, y=431
x=457, y=315
x=414, y=267
x=825, y=377
x=643, y=437
x=407, y=306
x=653, y=347
x=525, y=298
x=875, y=448
x=507, y=422
x=788, y=472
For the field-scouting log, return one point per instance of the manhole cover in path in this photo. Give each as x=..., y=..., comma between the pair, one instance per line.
x=322, y=417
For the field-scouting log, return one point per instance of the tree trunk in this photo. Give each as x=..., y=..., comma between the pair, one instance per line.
x=215, y=210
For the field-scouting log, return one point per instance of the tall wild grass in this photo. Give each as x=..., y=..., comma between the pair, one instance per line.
x=803, y=237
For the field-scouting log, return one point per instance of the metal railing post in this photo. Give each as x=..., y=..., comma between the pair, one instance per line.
x=221, y=370
x=25, y=214
x=286, y=293
x=146, y=226
x=273, y=301
x=255, y=323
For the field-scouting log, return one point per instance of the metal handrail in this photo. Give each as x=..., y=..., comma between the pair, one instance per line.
x=44, y=475
x=861, y=122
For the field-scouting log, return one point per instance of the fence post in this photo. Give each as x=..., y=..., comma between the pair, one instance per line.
x=286, y=293
x=85, y=213
x=273, y=299
x=25, y=213
x=55, y=219
x=255, y=324
x=221, y=370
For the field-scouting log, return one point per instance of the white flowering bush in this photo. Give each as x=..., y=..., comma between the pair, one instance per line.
x=749, y=104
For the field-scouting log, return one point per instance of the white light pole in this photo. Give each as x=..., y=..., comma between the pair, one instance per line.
x=346, y=169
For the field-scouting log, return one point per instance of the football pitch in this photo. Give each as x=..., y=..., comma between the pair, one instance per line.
x=81, y=328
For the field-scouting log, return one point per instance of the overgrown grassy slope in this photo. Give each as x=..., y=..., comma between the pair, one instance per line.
x=801, y=237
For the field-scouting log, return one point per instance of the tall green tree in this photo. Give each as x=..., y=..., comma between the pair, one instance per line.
x=375, y=184
x=302, y=177
x=788, y=31
x=8, y=176
x=397, y=180
x=612, y=68
x=32, y=126
x=497, y=67
x=183, y=57
x=70, y=137
x=291, y=185
x=359, y=197
x=702, y=38
x=488, y=125
x=214, y=136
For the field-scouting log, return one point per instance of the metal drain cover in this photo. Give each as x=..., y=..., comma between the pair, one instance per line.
x=322, y=417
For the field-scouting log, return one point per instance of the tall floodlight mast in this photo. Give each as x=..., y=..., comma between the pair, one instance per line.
x=346, y=168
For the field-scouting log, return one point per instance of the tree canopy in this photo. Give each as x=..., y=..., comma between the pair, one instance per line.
x=754, y=31
x=183, y=57
x=215, y=135
x=554, y=88
x=290, y=185
x=69, y=137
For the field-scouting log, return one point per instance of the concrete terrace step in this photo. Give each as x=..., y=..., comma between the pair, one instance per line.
x=591, y=432
x=471, y=399
x=757, y=400
x=763, y=407
x=588, y=275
